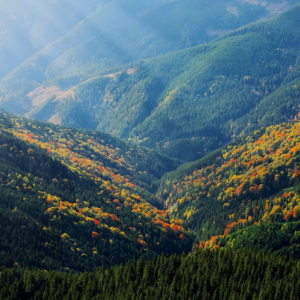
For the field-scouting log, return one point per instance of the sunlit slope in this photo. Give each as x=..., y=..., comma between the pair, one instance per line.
x=65, y=205
x=250, y=187
x=207, y=95
x=29, y=26
x=188, y=103
x=121, y=32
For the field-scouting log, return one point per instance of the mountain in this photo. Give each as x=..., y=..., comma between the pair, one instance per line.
x=28, y=26
x=86, y=215
x=70, y=200
x=186, y=103
x=101, y=34
x=243, y=195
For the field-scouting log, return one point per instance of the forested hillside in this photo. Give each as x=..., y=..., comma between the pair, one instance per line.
x=188, y=103
x=68, y=200
x=63, y=215
x=239, y=275
x=243, y=195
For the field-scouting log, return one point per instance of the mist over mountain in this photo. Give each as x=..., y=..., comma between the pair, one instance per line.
x=115, y=31
x=29, y=26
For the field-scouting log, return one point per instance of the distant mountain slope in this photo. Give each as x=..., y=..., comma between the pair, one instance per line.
x=29, y=26
x=244, y=195
x=188, y=103
x=68, y=201
x=120, y=32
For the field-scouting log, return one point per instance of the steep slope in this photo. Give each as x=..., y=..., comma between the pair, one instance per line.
x=243, y=195
x=29, y=26
x=69, y=208
x=188, y=103
x=120, y=32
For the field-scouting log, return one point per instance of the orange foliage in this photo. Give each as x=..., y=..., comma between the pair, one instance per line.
x=228, y=227
x=142, y=242
x=113, y=217
x=287, y=216
x=116, y=201
x=296, y=212
x=95, y=234
x=267, y=206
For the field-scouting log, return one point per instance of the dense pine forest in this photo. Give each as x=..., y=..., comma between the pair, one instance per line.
x=216, y=275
